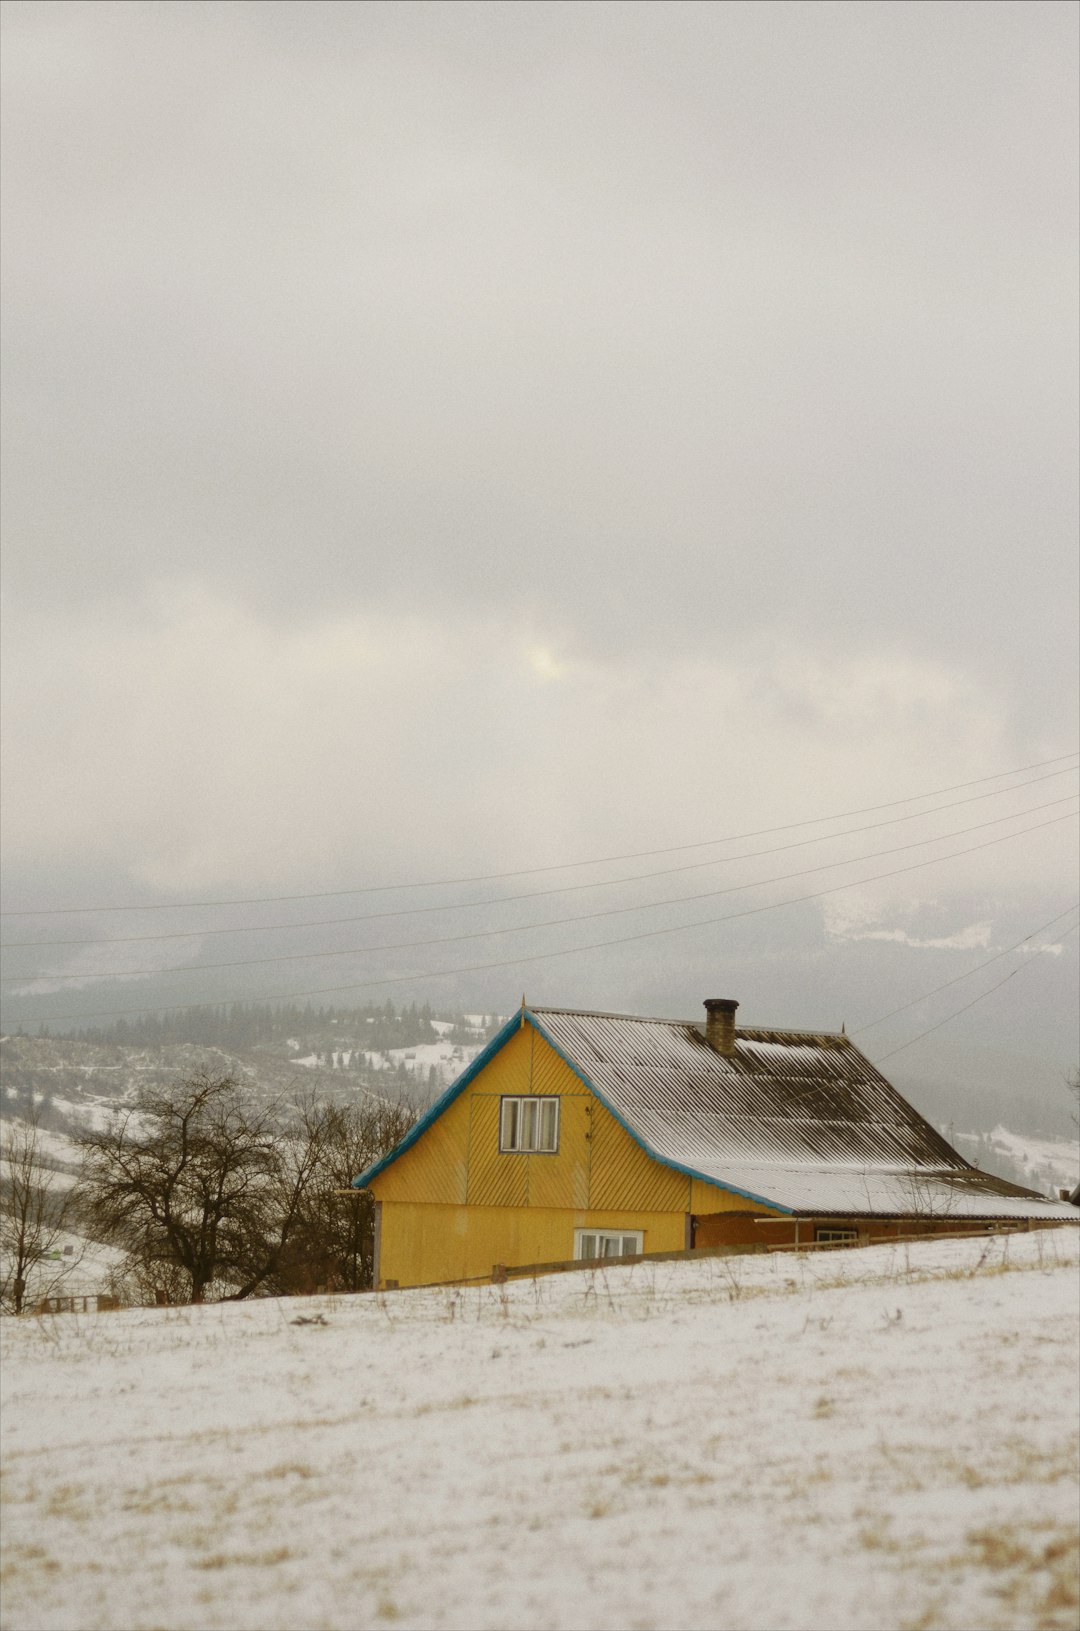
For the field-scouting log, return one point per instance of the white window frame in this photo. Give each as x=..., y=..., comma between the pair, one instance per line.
x=529, y=1124
x=602, y=1237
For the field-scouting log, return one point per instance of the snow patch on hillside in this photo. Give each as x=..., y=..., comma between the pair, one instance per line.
x=1043, y=1164
x=59, y=1153
x=447, y=1059
x=1057, y=1158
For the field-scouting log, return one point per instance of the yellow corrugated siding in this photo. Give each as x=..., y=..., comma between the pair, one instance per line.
x=424, y=1244
x=624, y=1176
x=563, y=1179
x=511, y=1070
x=436, y=1168
x=494, y=1179
x=549, y=1073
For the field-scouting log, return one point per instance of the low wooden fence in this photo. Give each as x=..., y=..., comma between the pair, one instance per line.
x=502, y=1272
x=92, y=1303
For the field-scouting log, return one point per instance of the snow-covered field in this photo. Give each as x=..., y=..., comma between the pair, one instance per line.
x=861, y=1439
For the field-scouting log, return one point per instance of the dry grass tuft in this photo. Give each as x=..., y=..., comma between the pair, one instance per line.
x=70, y=1501
x=464, y=1401
x=249, y=1560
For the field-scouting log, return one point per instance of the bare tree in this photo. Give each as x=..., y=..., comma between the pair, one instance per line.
x=277, y=1244
x=178, y=1181
x=36, y=1211
x=210, y=1195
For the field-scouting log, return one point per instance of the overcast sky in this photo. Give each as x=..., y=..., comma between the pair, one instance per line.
x=448, y=438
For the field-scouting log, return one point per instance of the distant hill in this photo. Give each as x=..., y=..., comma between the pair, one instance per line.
x=74, y=1079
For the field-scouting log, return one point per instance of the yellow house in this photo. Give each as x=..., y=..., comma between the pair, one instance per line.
x=579, y=1135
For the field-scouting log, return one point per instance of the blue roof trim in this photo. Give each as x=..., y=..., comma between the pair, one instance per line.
x=443, y=1102
x=484, y=1058
x=664, y=1160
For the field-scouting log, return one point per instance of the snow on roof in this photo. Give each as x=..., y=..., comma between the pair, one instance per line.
x=802, y=1120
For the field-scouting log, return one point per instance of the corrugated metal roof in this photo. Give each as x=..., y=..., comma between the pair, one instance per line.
x=800, y=1119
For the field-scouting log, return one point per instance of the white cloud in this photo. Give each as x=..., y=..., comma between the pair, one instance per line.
x=201, y=747
x=841, y=925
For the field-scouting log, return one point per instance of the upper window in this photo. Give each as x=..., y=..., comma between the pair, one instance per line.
x=529, y=1126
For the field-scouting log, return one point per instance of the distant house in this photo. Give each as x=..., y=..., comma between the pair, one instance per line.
x=590, y=1135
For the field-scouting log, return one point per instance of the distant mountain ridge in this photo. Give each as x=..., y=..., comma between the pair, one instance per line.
x=410, y=1053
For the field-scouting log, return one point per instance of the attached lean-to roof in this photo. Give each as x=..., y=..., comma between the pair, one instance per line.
x=800, y=1121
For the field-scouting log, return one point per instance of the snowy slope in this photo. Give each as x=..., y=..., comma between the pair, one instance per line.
x=1046, y=1162
x=1043, y=1164
x=884, y=1438
x=59, y=1154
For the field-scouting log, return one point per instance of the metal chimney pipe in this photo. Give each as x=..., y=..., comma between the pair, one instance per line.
x=720, y=1023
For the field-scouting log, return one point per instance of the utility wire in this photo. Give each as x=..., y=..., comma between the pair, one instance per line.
x=519, y=872
x=549, y=923
x=534, y=894
x=945, y=984
x=958, y=1011
x=568, y=951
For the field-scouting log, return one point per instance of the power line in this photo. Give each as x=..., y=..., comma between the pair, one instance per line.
x=534, y=894
x=945, y=984
x=519, y=872
x=958, y=1011
x=568, y=951
x=550, y=923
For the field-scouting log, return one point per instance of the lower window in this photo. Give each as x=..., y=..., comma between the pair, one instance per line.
x=594, y=1243
x=836, y=1237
